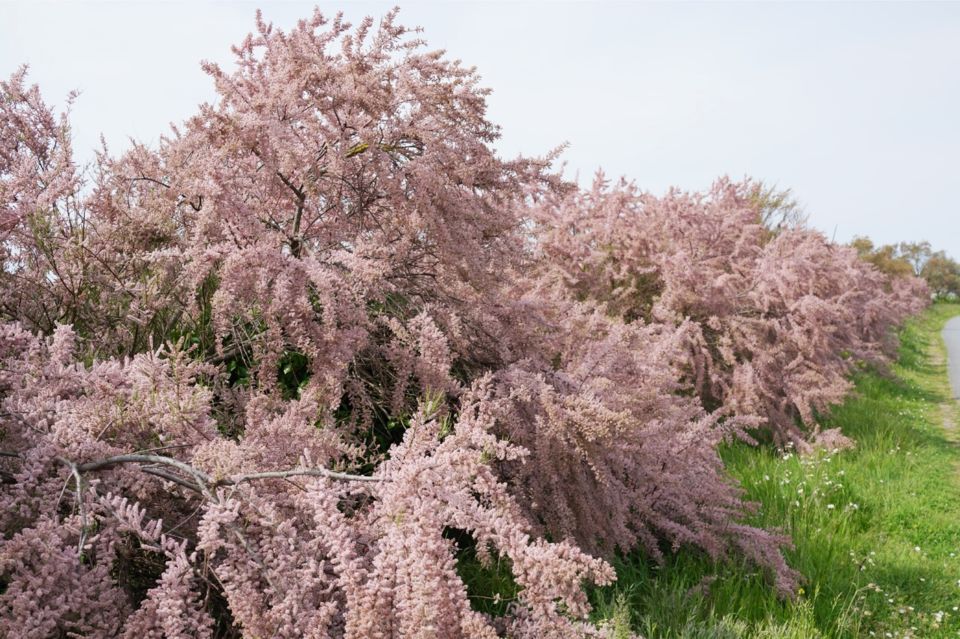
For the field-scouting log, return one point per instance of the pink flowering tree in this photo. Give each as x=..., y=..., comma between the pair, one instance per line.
x=38, y=208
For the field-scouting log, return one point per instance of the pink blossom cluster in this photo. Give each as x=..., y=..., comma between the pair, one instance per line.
x=276, y=376
x=777, y=319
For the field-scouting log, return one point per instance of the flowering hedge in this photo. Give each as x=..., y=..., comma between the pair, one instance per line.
x=279, y=375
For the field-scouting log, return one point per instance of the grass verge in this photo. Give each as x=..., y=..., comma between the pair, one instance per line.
x=876, y=529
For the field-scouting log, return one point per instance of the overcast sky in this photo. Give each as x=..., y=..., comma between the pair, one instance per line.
x=853, y=106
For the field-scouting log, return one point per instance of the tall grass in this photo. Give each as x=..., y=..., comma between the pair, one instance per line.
x=876, y=529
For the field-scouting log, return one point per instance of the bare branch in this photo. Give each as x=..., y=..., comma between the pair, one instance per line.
x=156, y=472
x=298, y=472
x=81, y=507
x=205, y=482
x=146, y=178
x=200, y=476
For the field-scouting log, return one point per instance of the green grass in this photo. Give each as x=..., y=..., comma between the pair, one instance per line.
x=876, y=529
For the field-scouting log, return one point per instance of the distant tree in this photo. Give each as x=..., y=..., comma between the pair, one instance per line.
x=916, y=253
x=887, y=259
x=942, y=275
x=941, y=272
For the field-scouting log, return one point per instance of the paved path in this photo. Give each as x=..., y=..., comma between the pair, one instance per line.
x=951, y=335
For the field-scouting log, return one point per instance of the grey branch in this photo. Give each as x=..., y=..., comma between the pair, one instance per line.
x=299, y=472
x=204, y=481
x=74, y=471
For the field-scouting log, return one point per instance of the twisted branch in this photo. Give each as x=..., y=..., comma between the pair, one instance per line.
x=202, y=482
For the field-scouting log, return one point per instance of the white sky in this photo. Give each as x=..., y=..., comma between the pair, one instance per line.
x=854, y=106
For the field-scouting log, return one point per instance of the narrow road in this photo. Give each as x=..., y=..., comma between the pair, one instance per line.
x=951, y=335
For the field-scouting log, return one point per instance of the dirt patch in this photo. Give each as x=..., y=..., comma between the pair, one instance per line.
x=947, y=418
x=937, y=358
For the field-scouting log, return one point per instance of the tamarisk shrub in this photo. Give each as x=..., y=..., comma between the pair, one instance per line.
x=620, y=455
x=302, y=551
x=38, y=182
x=220, y=492
x=350, y=209
x=383, y=223
x=344, y=198
x=99, y=261
x=779, y=319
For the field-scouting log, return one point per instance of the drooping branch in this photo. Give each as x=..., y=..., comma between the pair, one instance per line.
x=204, y=481
x=156, y=472
x=299, y=472
x=201, y=478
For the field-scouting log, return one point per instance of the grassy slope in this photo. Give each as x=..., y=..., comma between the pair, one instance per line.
x=876, y=529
